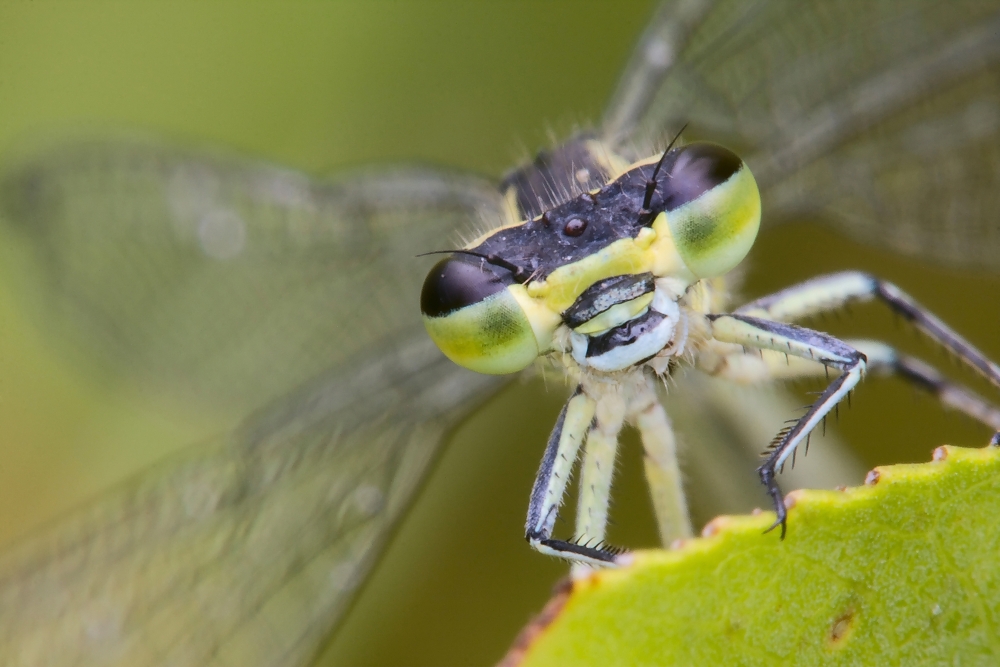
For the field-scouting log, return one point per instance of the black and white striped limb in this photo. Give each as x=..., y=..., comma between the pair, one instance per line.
x=883, y=359
x=830, y=292
x=753, y=332
x=592, y=420
x=577, y=423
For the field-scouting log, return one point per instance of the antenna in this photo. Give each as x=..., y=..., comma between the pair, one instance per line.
x=521, y=275
x=651, y=183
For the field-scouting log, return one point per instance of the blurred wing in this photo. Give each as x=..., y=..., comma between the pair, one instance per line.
x=244, y=551
x=882, y=118
x=243, y=284
x=228, y=280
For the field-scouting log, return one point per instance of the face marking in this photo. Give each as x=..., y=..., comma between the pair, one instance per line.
x=688, y=214
x=576, y=229
x=605, y=294
x=631, y=342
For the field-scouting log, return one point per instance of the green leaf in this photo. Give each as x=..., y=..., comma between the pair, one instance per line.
x=902, y=571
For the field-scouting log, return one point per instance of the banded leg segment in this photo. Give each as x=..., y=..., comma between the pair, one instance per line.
x=833, y=291
x=553, y=475
x=882, y=359
x=799, y=342
x=663, y=474
x=885, y=359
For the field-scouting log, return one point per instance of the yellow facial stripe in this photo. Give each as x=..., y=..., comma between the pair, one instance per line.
x=651, y=252
x=615, y=315
x=564, y=285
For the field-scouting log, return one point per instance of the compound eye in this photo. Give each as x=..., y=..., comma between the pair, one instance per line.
x=713, y=208
x=455, y=283
x=472, y=316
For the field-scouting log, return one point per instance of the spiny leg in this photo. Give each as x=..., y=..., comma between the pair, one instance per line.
x=662, y=471
x=547, y=493
x=799, y=342
x=833, y=291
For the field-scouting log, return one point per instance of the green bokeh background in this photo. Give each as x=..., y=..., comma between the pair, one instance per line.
x=321, y=86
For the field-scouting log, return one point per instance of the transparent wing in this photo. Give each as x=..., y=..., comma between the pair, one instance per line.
x=229, y=280
x=246, y=550
x=882, y=118
x=214, y=273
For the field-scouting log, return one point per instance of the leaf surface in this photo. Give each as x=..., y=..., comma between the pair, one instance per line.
x=902, y=571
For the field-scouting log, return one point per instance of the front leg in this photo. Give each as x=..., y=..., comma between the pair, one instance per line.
x=800, y=342
x=554, y=472
x=597, y=422
x=597, y=473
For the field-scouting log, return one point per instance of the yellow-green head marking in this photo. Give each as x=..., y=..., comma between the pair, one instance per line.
x=590, y=263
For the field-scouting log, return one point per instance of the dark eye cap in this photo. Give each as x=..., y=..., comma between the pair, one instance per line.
x=696, y=169
x=460, y=281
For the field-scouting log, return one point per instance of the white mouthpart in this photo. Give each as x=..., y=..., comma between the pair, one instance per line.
x=646, y=345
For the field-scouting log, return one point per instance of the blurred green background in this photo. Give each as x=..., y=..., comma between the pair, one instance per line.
x=322, y=86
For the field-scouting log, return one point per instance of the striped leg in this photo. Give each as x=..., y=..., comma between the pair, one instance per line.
x=553, y=475
x=833, y=291
x=885, y=359
x=798, y=342
x=882, y=359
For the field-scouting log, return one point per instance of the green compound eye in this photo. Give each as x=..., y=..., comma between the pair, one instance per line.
x=473, y=317
x=713, y=208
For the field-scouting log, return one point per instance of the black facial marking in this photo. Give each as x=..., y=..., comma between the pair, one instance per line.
x=625, y=334
x=543, y=244
x=615, y=211
x=606, y=293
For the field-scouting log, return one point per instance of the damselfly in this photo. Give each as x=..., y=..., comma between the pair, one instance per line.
x=834, y=95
